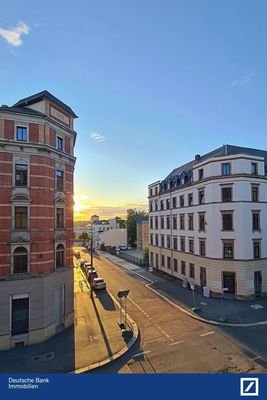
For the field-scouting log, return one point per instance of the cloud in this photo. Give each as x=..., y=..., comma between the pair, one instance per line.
x=243, y=81
x=13, y=35
x=97, y=137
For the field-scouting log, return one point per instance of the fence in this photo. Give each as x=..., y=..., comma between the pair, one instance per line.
x=129, y=257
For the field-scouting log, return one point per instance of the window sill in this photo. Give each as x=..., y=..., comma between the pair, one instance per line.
x=20, y=336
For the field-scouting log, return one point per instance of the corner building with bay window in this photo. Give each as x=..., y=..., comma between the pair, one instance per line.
x=208, y=223
x=36, y=219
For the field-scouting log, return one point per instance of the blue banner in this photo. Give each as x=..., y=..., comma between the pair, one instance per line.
x=133, y=387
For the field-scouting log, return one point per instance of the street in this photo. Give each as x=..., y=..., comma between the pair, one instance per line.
x=172, y=342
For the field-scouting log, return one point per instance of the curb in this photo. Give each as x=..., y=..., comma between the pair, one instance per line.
x=127, y=347
x=185, y=311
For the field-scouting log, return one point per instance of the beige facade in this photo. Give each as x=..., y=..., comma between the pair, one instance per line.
x=207, y=222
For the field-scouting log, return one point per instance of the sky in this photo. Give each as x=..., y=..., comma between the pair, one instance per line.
x=154, y=82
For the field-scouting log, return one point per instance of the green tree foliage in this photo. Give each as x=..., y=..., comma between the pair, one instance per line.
x=121, y=222
x=132, y=214
x=145, y=256
x=84, y=237
x=102, y=247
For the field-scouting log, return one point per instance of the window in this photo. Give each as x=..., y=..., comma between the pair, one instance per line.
x=226, y=194
x=201, y=196
x=21, y=217
x=181, y=199
x=162, y=240
x=202, y=247
x=60, y=256
x=151, y=192
x=21, y=134
x=151, y=239
x=226, y=169
x=162, y=222
x=157, y=260
x=175, y=265
x=150, y=206
x=183, y=268
x=21, y=174
x=169, y=262
x=190, y=199
x=162, y=261
x=228, y=249
x=191, y=245
x=227, y=221
x=191, y=222
x=182, y=243
x=254, y=168
x=156, y=240
x=174, y=222
x=168, y=222
x=156, y=190
x=254, y=193
x=60, y=218
x=168, y=241
x=182, y=221
x=201, y=221
x=151, y=222
x=192, y=271
x=256, y=249
x=161, y=205
x=168, y=204
x=156, y=205
x=256, y=221
x=174, y=201
x=20, y=260
x=175, y=243
x=200, y=174
x=59, y=180
x=156, y=223
x=59, y=143
x=20, y=315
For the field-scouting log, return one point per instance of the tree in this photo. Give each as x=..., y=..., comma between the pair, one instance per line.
x=102, y=247
x=121, y=222
x=132, y=214
x=145, y=256
x=84, y=237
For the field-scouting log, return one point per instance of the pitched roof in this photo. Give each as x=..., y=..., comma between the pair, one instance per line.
x=22, y=110
x=35, y=98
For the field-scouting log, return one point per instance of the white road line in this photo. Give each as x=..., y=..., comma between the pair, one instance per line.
x=142, y=353
x=207, y=333
x=180, y=342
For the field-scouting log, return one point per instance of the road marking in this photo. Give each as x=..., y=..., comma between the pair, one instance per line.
x=180, y=341
x=142, y=353
x=207, y=333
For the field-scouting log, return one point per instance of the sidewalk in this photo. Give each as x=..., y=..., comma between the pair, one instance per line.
x=94, y=340
x=226, y=312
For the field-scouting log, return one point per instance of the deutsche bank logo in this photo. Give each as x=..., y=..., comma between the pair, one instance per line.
x=249, y=386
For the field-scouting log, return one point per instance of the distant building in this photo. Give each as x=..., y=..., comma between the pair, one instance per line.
x=208, y=222
x=113, y=237
x=142, y=232
x=78, y=230
x=100, y=226
x=37, y=161
x=94, y=218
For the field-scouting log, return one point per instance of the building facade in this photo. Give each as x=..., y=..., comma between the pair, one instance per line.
x=208, y=222
x=36, y=219
x=142, y=232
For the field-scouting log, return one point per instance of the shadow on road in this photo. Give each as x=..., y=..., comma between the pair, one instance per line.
x=102, y=328
x=105, y=299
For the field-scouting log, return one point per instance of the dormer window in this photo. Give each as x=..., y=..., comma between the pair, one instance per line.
x=254, y=168
x=200, y=174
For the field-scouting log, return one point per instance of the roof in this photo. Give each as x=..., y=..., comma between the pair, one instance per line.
x=140, y=220
x=35, y=98
x=22, y=110
x=225, y=150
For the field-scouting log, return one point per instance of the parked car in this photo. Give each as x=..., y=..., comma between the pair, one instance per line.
x=123, y=247
x=129, y=247
x=99, y=283
x=91, y=275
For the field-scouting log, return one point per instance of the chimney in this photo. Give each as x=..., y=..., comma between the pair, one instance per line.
x=197, y=157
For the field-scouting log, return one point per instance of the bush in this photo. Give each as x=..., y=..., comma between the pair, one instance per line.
x=103, y=247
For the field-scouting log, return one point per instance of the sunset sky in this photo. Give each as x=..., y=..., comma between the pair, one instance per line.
x=153, y=82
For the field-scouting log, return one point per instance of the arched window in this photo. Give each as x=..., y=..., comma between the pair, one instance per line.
x=60, y=256
x=20, y=260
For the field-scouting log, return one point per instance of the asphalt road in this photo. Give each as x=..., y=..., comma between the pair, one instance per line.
x=172, y=342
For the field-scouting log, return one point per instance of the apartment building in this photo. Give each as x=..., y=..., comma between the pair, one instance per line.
x=37, y=141
x=208, y=222
x=142, y=232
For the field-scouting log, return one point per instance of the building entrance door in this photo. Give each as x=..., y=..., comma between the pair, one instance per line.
x=257, y=283
x=229, y=281
x=203, y=277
